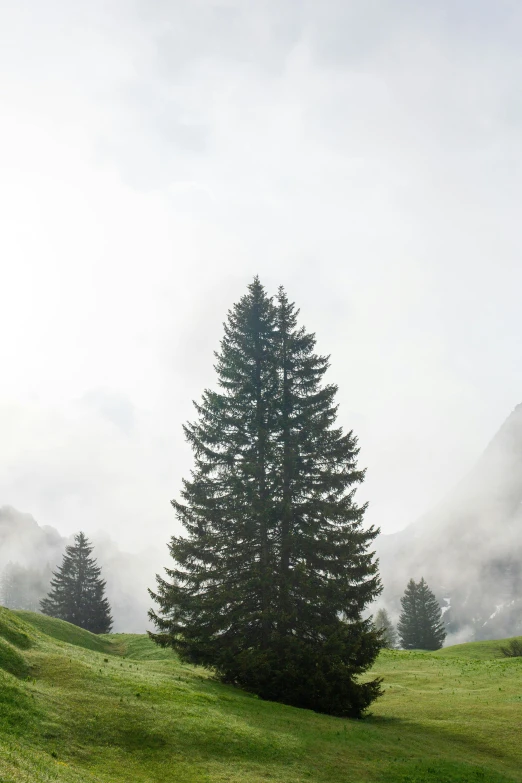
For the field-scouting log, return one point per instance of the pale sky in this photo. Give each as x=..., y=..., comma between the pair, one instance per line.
x=155, y=156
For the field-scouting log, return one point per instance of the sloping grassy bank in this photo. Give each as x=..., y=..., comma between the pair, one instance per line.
x=107, y=709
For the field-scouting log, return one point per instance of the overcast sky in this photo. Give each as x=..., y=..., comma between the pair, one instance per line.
x=155, y=155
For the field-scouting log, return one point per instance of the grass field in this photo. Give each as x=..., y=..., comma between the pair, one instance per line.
x=79, y=708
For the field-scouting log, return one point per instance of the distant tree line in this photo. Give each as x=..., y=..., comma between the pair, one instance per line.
x=22, y=587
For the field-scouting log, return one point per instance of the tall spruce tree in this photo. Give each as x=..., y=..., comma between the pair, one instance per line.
x=420, y=624
x=383, y=624
x=273, y=571
x=77, y=590
x=327, y=574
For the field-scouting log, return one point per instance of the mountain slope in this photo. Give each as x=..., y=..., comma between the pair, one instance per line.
x=134, y=713
x=469, y=548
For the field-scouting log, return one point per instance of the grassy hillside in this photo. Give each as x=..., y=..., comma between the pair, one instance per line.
x=65, y=632
x=476, y=650
x=74, y=707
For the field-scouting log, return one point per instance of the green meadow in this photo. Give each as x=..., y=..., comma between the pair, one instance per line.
x=78, y=707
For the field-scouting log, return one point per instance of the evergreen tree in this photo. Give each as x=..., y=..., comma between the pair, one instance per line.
x=408, y=625
x=420, y=625
x=77, y=590
x=273, y=571
x=383, y=624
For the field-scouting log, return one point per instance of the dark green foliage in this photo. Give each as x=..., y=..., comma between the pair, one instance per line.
x=420, y=625
x=383, y=624
x=513, y=649
x=77, y=591
x=23, y=588
x=273, y=571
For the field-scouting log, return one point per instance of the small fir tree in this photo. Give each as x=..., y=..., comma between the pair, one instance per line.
x=77, y=592
x=388, y=633
x=420, y=625
x=273, y=571
x=408, y=625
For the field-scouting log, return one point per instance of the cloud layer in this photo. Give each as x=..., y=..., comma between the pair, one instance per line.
x=155, y=156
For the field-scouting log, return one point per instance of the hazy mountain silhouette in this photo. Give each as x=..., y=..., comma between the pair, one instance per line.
x=469, y=548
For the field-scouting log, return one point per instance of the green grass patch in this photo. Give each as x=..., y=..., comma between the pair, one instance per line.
x=13, y=630
x=18, y=709
x=477, y=650
x=442, y=772
x=65, y=632
x=139, y=647
x=11, y=660
x=130, y=711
